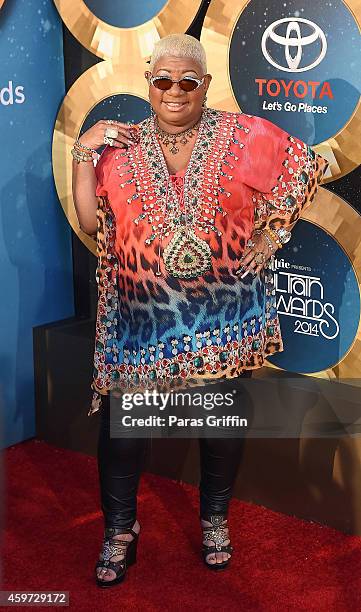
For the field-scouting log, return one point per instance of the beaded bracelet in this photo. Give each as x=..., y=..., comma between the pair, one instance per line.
x=273, y=234
x=81, y=156
x=270, y=243
x=81, y=146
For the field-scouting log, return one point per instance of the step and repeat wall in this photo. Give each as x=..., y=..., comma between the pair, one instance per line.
x=294, y=63
x=35, y=238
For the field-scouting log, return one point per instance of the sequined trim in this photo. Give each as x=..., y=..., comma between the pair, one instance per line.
x=288, y=195
x=209, y=353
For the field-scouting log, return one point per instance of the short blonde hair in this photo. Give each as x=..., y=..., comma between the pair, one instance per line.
x=179, y=45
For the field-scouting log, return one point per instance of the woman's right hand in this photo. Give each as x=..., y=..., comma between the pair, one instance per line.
x=94, y=136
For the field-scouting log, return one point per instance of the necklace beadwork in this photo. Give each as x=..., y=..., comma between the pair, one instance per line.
x=187, y=256
x=182, y=215
x=171, y=140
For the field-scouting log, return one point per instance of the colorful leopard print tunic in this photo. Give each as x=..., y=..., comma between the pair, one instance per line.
x=157, y=325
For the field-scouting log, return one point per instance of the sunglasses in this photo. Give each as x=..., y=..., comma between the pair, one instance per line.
x=186, y=83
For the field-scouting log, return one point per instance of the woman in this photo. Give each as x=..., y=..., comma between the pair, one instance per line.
x=188, y=209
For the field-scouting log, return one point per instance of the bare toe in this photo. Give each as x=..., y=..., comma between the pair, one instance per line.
x=211, y=558
x=216, y=557
x=107, y=574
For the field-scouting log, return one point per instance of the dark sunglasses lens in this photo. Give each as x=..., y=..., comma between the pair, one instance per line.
x=188, y=84
x=163, y=83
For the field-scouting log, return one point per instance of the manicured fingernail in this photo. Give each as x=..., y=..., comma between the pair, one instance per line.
x=245, y=273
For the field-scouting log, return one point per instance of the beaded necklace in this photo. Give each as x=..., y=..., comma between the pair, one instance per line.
x=171, y=140
x=186, y=255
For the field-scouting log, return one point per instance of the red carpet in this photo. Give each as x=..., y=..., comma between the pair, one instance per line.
x=54, y=530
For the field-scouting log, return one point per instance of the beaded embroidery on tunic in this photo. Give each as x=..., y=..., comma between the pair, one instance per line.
x=157, y=326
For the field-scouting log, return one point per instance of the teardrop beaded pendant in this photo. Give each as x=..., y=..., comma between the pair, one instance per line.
x=186, y=255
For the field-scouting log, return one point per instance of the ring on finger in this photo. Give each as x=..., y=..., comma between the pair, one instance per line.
x=259, y=258
x=111, y=133
x=108, y=141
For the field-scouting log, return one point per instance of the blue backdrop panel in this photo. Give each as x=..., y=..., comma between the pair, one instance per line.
x=248, y=62
x=125, y=14
x=35, y=241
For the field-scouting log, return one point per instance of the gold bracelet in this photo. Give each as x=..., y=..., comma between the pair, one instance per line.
x=78, y=145
x=81, y=156
x=274, y=236
x=270, y=242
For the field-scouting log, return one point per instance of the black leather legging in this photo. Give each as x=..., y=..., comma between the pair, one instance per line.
x=120, y=463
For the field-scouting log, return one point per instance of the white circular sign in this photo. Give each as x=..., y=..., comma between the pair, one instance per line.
x=294, y=43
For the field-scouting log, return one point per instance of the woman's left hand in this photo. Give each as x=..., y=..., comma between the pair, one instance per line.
x=257, y=253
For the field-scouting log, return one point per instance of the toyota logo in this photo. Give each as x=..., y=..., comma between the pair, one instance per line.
x=294, y=41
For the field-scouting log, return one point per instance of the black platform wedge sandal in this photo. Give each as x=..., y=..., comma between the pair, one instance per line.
x=216, y=532
x=113, y=548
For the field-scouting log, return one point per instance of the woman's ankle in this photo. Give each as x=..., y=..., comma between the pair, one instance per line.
x=134, y=525
x=214, y=517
